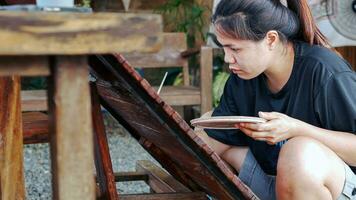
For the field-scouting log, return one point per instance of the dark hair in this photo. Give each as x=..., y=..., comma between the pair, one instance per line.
x=252, y=19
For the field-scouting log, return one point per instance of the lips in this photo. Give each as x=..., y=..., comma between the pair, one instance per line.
x=236, y=70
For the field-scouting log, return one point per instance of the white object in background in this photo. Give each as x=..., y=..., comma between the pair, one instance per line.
x=162, y=82
x=55, y=3
x=335, y=39
x=336, y=19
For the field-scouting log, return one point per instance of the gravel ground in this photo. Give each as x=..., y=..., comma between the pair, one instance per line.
x=124, y=150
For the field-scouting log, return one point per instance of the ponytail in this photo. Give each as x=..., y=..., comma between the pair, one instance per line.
x=309, y=32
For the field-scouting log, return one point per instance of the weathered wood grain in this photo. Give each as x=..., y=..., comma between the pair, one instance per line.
x=11, y=145
x=24, y=66
x=206, y=77
x=105, y=174
x=130, y=176
x=131, y=102
x=35, y=127
x=159, y=180
x=34, y=100
x=49, y=33
x=169, y=55
x=71, y=138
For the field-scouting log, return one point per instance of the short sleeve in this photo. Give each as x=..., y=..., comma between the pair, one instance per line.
x=335, y=104
x=228, y=107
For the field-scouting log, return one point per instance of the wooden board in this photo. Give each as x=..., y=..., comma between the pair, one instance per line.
x=24, y=66
x=34, y=100
x=46, y=33
x=130, y=99
x=159, y=180
x=35, y=127
x=173, y=44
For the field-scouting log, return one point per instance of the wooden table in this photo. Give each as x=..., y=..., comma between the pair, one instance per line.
x=56, y=45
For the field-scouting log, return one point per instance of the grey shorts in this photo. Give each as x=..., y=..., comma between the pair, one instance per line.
x=264, y=185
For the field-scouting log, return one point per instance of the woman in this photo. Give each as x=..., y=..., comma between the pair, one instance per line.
x=284, y=71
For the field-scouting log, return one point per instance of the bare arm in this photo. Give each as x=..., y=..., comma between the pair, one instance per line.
x=281, y=127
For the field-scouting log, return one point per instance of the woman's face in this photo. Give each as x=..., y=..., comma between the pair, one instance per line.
x=247, y=59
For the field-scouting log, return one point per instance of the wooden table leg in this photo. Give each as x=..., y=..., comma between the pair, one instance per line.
x=11, y=143
x=71, y=138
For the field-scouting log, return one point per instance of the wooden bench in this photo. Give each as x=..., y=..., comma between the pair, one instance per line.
x=170, y=55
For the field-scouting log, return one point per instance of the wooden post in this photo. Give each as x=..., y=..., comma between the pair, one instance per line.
x=206, y=77
x=71, y=138
x=11, y=143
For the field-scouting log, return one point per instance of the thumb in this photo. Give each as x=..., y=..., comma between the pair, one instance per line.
x=268, y=115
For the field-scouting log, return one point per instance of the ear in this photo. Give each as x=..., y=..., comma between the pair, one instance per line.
x=272, y=38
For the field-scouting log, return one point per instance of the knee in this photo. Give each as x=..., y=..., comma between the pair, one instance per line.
x=299, y=155
x=299, y=162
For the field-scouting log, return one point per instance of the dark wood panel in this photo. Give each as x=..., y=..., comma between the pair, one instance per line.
x=130, y=98
x=24, y=66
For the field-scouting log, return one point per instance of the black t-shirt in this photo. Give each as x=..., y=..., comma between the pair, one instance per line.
x=320, y=91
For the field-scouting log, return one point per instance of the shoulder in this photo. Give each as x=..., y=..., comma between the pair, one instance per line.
x=321, y=59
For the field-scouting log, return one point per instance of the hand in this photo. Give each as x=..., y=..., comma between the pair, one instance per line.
x=278, y=127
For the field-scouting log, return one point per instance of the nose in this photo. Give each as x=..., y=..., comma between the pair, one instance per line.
x=228, y=58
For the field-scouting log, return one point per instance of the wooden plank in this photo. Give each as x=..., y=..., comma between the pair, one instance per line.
x=167, y=163
x=35, y=127
x=71, y=138
x=169, y=55
x=105, y=174
x=24, y=66
x=130, y=176
x=34, y=100
x=181, y=95
x=166, y=196
x=11, y=146
x=206, y=79
x=159, y=180
x=49, y=33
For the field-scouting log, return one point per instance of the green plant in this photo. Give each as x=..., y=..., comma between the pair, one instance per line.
x=218, y=86
x=184, y=16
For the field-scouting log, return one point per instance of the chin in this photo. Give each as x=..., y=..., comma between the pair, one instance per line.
x=245, y=76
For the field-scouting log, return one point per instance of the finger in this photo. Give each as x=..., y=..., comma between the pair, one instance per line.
x=255, y=134
x=267, y=126
x=269, y=115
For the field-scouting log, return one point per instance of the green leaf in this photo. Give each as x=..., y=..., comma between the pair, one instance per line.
x=218, y=86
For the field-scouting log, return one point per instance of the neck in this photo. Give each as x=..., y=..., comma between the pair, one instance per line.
x=280, y=70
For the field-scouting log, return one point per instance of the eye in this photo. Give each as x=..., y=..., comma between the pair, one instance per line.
x=235, y=49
